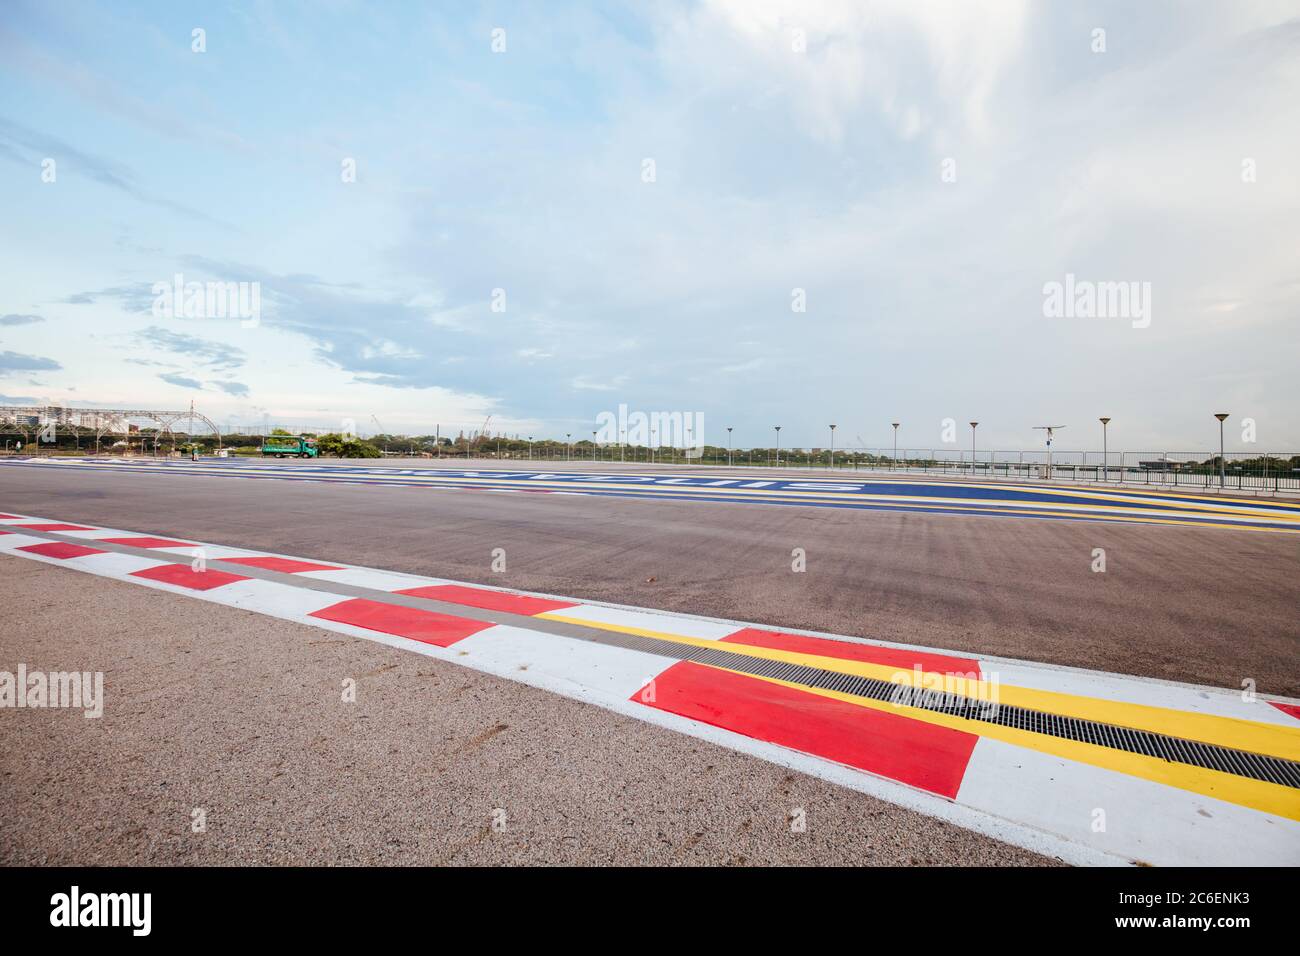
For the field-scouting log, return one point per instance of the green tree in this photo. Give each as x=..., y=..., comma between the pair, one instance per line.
x=339, y=446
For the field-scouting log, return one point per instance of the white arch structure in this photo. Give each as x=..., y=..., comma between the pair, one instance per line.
x=105, y=421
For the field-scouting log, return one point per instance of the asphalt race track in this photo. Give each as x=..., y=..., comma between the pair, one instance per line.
x=1193, y=588
x=1134, y=504
x=1196, y=604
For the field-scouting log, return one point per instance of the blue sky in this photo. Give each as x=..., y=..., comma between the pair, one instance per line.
x=776, y=169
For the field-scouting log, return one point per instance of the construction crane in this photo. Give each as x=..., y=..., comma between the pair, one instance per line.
x=381, y=430
x=476, y=439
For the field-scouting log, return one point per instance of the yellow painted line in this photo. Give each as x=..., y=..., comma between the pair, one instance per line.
x=762, y=496
x=779, y=496
x=1271, y=739
x=1135, y=492
x=1104, y=499
x=785, y=495
x=997, y=505
x=1197, y=502
x=1121, y=494
x=793, y=496
x=1140, y=493
x=1244, y=791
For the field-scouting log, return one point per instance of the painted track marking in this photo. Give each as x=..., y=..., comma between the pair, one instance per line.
x=1125, y=505
x=573, y=647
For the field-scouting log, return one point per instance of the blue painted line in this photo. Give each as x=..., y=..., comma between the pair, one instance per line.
x=714, y=489
x=1157, y=498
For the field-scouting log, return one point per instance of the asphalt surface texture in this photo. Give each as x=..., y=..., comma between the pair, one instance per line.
x=1130, y=503
x=1201, y=605
x=241, y=715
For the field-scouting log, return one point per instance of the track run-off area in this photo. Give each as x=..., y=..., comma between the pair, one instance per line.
x=1127, y=504
x=1082, y=765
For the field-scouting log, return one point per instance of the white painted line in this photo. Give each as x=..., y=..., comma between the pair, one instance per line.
x=1201, y=700
x=598, y=671
x=1115, y=813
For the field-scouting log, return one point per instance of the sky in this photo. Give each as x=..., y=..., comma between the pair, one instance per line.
x=762, y=213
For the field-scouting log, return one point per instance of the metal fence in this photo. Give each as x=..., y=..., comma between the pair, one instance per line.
x=1273, y=471
x=1270, y=472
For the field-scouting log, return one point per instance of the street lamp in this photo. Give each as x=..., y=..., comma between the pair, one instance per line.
x=972, y=448
x=1105, y=461
x=1051, y=431
x=778, y=445
x=1221, y=416
x=832, y=448
x=728, y=446
x=568, y=445
x=593, y=446
x=893, y=461
x=530, y=447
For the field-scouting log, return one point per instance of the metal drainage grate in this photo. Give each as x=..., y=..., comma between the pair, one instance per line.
x=1240, y=763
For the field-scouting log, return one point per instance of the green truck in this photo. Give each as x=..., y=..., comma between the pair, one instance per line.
x=289, y=446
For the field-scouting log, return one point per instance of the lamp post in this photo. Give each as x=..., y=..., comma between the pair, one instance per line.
x=832, y=448
x=893, y=461
x=778, y=445
x=1221, y=416
x=728, y=446
x=1105, y=461
x=593, y=446
x=568, y=446
x=530, y=447
x=972, y=448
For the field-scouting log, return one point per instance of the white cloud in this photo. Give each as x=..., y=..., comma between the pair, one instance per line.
x=776, y=170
